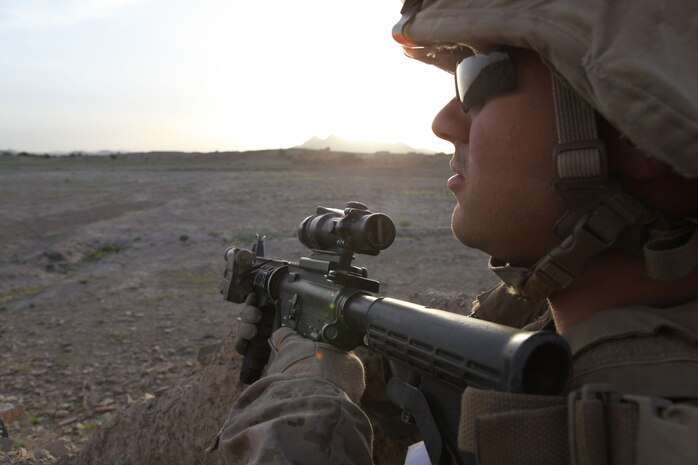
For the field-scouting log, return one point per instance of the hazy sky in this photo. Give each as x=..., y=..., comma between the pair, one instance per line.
x=209, y=75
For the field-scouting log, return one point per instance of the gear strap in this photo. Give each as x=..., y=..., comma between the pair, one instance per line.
x=600, y=215
x=595, y=232
x=594, y=425
x=673, y=253
x=581, y=168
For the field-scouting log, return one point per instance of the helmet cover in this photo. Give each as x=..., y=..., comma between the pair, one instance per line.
x=633, y=60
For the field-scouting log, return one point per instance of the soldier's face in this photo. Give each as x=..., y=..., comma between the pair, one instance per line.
x=505, y=204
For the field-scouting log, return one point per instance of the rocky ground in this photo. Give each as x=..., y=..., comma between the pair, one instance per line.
x=109, y=271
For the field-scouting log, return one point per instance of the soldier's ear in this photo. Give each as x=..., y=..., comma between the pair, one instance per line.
x=631, y=163
x=628, y=161
x=651, y=181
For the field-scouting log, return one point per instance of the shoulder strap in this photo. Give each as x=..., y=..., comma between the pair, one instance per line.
x=633, y=320
x=646, y=351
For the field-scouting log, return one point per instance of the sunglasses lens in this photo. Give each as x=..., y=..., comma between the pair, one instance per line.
x=480, y=77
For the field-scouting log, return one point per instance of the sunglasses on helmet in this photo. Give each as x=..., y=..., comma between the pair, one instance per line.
x=481, y=77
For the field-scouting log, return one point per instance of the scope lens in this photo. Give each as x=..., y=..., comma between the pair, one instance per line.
x=380, y=231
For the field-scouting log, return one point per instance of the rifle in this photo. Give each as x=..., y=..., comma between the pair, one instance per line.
x=437, y=353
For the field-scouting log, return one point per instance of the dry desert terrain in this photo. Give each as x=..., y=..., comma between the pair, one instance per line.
x=109, y=271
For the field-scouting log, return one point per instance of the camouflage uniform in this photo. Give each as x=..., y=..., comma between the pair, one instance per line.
x=303, y=412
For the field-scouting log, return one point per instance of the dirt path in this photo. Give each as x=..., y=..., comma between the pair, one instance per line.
x=109, y=267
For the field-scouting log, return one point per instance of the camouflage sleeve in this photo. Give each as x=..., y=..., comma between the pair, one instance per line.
x=283, y=419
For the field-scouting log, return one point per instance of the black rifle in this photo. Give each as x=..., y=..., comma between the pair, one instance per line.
x=327, y=299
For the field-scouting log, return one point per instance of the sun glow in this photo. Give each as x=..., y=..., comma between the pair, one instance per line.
x=215, y=75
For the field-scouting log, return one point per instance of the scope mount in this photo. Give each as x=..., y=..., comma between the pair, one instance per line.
x=353, y=281
x=338, y=269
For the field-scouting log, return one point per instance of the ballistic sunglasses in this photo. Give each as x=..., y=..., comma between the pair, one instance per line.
x=481, y=77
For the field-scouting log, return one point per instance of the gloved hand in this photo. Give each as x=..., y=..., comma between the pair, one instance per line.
x=248, y=329
x=297, y=356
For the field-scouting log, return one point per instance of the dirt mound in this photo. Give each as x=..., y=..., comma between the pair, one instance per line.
x=173, y=428
x=176, y=426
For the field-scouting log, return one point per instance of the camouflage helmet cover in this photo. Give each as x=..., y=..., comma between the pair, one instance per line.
x=634, y=61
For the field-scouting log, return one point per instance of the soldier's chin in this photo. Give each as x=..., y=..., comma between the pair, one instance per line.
x=466, y=230
x=459, y=226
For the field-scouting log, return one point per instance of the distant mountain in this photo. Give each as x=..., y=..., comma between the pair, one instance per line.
x=338, y=144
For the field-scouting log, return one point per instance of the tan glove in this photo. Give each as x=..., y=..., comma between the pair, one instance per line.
x=297, y=356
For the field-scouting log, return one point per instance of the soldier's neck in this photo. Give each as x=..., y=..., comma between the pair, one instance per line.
x=613, y=280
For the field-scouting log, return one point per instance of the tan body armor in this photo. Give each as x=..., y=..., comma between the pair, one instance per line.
x=633, y=401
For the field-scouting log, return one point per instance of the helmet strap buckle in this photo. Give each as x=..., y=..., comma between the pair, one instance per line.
x=581, y=173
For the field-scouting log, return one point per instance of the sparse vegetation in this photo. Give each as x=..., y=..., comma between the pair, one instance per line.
x=19, y=444
x=61, y=363
x=19, y=293
x=88, y=426
x=120, y=335
x=102, y=251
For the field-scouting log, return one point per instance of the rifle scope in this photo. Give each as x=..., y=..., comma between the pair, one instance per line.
x=354, y=229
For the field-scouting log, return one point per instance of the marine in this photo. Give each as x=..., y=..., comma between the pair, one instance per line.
x=575, y=134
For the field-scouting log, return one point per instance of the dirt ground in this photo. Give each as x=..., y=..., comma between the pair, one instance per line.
x=109, y=271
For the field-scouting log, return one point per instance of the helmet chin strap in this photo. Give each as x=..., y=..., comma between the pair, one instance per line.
x=601, y=215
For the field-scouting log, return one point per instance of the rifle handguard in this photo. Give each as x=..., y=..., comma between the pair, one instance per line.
x=460, y=350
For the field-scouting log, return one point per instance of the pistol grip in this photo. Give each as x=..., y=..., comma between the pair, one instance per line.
x=255, y=359
x=258, y=350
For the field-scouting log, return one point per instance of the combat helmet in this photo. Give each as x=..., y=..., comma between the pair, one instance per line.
x=632, y=62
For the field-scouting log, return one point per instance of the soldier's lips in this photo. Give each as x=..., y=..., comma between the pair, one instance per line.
x=455, y=182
